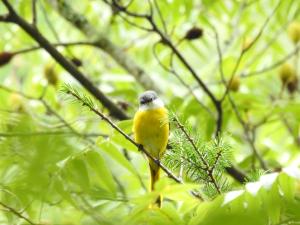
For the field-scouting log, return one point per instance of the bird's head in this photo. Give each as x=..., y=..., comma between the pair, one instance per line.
x=150, y=100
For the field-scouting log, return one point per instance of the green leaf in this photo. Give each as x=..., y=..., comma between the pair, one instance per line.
x=103, y=174
x=115, y=154
x=78, y=174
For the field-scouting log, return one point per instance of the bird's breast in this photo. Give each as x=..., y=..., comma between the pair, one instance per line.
x=151, y=129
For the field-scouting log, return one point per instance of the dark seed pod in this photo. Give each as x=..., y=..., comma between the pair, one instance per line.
x=292, y=85
x=123, y=105
x=77, y=62
x=5, y=57
x=194, y=33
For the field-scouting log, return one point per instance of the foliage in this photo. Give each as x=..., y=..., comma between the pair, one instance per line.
x=201, y=162
x=228, y=71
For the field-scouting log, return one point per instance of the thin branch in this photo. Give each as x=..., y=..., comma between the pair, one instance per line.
x=135, y=24
x=160, y=16
x=247, y=48
x=246, y=132
x=46, y=105
x=122, y=8
x=165, y=40
x=239, y=176
x=220, y=54
x=274, y=65
x=15, y=212
x=191, y=141
x=49, y=133
x=66, y=64
x=140, y=147
x=34, y=14
x=277, y=33
x=81, y=23
x=127, y=137
x=173, y=71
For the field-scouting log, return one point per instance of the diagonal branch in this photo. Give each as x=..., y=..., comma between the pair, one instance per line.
x=66, y=64
x=168, y=42
x=101, y=41
x=247, y=48
x=207, y=168
x=12, y=210
x=88, y=103
x=238, y=175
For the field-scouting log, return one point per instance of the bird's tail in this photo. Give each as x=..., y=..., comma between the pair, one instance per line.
x=154, y=171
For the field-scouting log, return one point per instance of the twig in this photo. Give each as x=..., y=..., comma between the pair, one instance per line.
x=114, y=126
x=81, y=23
x=273, y=66
x=246, y=132
x=207, y=169
x=247, y=48
x=263, y=50
x=165, y=40
x=4, y=18
x=160, y=16
x=173, y=71
x=48, y=133
x=239, y=176
x=46, y=105
x=34, y=14
x=66, y=64
x=12, y=210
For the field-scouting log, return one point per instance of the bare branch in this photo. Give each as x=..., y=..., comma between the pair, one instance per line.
x=15, y=212
x=247, y=48
x=34, y=14
x=218, y=105
x=247, y=133
x=122, y=58
x=273, y=66
x=49, y=133
x=48, y=108
x=173, y=71
x=66, y=44
x=67, y=65
x=166, y=41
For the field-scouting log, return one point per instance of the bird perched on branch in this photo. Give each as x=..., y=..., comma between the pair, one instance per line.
x=151, y=129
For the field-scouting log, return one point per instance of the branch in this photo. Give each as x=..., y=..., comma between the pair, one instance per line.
x=274, y=65
x=62, y=44
x=173, y=71
x=166, y=41
x=88, y=103
x=34, y=14
x=247, y=48
x=48, y=108
x=206, y=165
x=246, y=132
x=8, y=135
x=235, y=173
x=12, y=210
x=101, y=41
x=67, y=65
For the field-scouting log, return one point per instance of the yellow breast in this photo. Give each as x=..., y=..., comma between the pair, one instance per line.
x=151, y=129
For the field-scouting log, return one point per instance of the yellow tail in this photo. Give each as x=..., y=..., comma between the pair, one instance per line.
x=154, y=171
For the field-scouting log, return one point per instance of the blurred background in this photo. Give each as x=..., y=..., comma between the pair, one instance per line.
x=226, y=67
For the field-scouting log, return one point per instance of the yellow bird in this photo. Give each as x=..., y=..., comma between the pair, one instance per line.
x=151, y=129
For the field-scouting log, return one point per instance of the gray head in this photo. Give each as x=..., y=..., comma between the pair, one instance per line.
x=147, y=97
x=150, y=100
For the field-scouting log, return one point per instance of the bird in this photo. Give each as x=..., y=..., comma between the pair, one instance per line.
x=151, y=130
